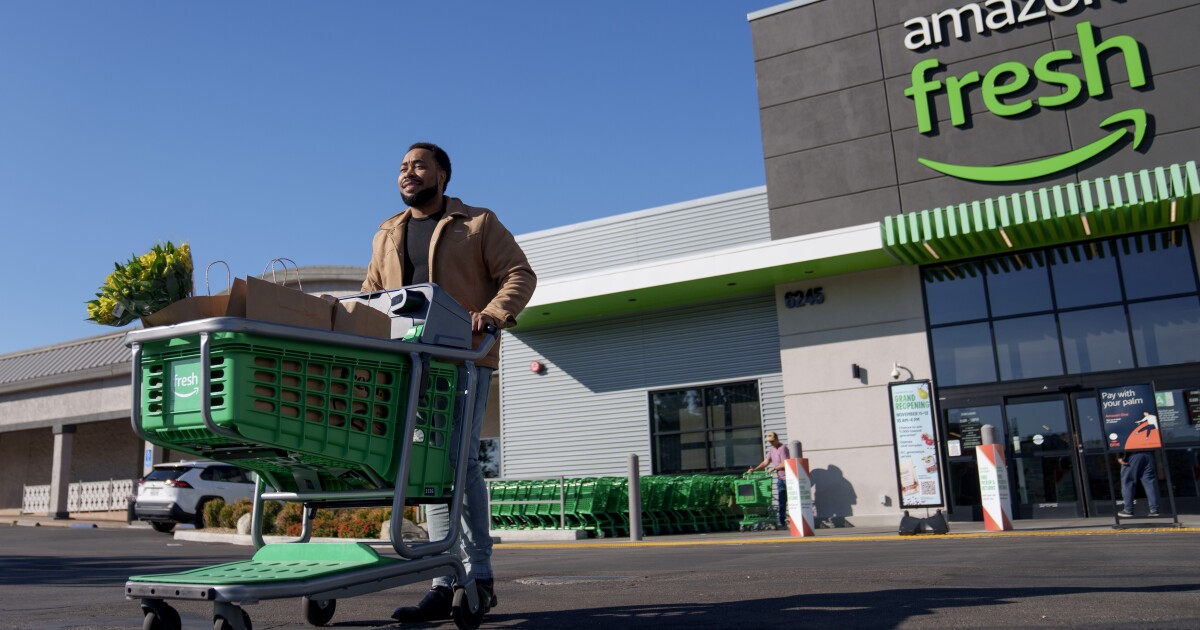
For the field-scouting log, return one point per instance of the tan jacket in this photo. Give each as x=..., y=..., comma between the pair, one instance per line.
x=472, y=256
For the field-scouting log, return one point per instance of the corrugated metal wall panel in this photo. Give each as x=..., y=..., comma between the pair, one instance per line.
x=770, y=392
x=590, y=410
x=655, y=234
x=70, y=357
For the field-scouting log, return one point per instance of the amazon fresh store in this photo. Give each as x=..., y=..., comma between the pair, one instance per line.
x=1028, y=165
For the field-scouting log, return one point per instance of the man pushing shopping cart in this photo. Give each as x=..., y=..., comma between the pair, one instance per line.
x=476, y=260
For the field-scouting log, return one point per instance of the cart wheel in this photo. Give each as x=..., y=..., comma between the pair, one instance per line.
x=318, y=612
x=221, y=623
x=160, y=616
x=464, y=618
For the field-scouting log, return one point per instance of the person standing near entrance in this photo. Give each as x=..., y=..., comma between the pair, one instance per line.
x=1135, y=467
x=776, y=453
x=475, y=259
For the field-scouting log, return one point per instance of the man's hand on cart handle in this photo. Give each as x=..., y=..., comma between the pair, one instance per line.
x=481, y=323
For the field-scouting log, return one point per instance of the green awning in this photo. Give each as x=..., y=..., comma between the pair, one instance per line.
x=1108, y=206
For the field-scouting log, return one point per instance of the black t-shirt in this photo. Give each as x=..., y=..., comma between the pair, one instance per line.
x=416, y=247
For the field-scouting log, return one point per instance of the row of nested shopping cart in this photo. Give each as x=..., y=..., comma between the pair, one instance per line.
x=671, y=504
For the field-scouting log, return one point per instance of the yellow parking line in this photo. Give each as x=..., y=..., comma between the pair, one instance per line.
x=819, y=539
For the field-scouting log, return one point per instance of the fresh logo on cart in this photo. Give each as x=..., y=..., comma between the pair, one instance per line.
x=185, y=386
x=1005, y=89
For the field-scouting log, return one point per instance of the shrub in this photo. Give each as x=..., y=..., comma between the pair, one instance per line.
x=226, y=518
x=349, y=523
x=271, y=510
x=291, y=514
x=358, y=528
x=239, y=507
x=324, y=527
x=212, y=512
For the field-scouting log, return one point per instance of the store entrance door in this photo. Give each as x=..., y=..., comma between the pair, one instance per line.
x=1045, y=464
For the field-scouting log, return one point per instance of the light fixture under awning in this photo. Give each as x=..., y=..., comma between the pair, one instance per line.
x=1108, y=206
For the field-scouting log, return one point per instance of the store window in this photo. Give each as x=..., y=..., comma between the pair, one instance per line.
x=955, y=293
x=1165, y=332
x=1085, y=274
x=1028, y=347
x=1179, y=415
x=1154, y=265
x=1018, y=284
x=964, y=354
x=1076, y=309
x=1096, y=339
x=710, y=428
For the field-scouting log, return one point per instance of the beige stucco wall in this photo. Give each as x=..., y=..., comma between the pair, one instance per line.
x=871, y=319
x=95, y=400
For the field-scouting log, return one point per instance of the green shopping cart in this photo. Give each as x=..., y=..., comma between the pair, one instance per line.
x=325, y=419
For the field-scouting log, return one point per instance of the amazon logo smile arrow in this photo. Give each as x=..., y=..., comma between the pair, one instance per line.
x=1053, y=164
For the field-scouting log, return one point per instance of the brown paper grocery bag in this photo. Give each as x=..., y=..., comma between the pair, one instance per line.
x=265, y=301
x=357, y=318
x=189, y=309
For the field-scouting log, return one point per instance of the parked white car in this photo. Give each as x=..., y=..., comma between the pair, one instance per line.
x=176, y=492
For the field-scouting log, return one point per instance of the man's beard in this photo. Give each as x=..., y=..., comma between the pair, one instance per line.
x=420, y=198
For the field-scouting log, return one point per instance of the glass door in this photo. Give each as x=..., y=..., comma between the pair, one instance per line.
x=1043, y=457
x=1100, y=473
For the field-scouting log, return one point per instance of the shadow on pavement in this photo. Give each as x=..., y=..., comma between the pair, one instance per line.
x=89, y=571
x=876, y=609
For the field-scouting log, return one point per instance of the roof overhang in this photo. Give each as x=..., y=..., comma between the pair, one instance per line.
x=1108, y=206
x=705, y=277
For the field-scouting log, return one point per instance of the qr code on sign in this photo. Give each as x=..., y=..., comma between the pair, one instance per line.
x=927, y=487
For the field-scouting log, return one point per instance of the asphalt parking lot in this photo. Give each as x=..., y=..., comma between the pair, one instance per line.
x=73, y=578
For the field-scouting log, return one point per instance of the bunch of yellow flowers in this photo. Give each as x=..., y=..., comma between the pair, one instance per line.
x=143, y=285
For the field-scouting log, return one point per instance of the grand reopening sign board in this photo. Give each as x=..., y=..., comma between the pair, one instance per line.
x=1005, y=87
x=915, y=437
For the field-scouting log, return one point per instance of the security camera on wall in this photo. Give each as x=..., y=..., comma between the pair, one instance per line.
x=895, y=372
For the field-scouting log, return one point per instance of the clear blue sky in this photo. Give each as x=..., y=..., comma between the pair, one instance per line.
x=255, y=130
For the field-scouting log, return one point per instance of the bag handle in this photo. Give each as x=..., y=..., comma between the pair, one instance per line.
x=228, y=276
x=283, y=263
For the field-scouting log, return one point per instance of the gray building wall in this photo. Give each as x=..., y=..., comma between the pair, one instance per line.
x=840, y=140
x=590, y=409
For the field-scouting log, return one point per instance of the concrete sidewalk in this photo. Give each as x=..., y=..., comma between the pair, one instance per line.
x=81, y=519
x=1187, y=522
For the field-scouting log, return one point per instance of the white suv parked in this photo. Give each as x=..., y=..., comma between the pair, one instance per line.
x=176, y=492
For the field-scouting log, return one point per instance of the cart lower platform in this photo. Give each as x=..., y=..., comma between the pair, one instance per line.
x=317, y=573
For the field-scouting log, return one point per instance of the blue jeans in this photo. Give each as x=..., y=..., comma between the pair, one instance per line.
x=475, y=546
x=1140, y=467
x=781, y=492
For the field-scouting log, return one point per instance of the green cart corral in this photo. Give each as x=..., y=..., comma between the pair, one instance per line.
x=325, y=419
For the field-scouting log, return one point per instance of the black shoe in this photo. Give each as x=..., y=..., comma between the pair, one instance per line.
x=487, y=593
x=1154, y=513
x=434, y=606
x=1124, y=514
